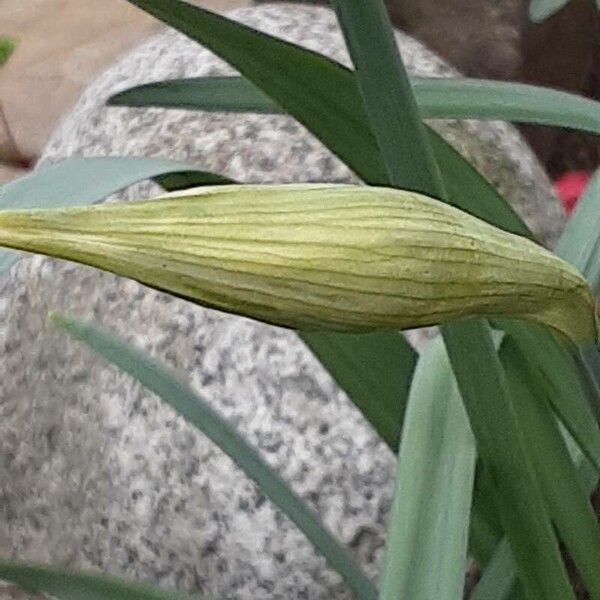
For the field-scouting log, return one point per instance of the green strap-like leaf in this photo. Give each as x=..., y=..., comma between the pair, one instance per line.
x=549, y=370
x=429, y=520
x=486, y=529
x=69, y=585
x=589, y=365
x=519, y=499
x=579, y=243
x=390, y=105
x=87, y=180
x=437, y=98
x=566, y=497
x=158, y=379
x=297, y=79
x=463, y=98
x=78, y=181
x=498, y=580
x=215, y=94
x=552, y=367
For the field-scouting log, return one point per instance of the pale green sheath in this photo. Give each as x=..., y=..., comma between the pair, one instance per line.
x=336, y=257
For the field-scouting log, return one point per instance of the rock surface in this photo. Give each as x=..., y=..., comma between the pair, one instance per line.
x=94, y=471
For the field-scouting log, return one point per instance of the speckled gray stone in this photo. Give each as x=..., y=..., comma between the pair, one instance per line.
x=94, y=471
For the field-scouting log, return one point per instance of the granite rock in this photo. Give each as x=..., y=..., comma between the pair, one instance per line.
x=94, y=471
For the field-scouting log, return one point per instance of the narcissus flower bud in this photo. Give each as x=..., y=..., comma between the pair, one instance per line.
x=317, y=257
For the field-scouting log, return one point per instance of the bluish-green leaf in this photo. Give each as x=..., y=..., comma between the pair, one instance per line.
x=71, y=585
x=180, y=396
x=503, y=450
x=589, y=368
x=429, y=521
x=297, y=79
x=78, y=181
x=437, y=98
x=565, y=495
x=486, y=528
x=463, y=98
x=390, y=105
x=87, y=180
x=552, y=366
x=552, y=369
x=579, y=243
x=498, y=580
x=214, y=94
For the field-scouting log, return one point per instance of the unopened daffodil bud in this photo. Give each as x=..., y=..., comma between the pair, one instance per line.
x=337, y=257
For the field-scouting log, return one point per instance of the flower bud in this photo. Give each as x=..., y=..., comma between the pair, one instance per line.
x=337, y=257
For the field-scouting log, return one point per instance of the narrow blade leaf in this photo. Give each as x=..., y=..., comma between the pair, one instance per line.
x=218, y=94
x=429, y=520
x=550, y=364
x=498, y=580
x=158, y=379
x=88, y=180
x=522, y=508
x=579, y=243
x=551, y=368
x=464, y=98
x=388, y=99
x=69, y=585
x=437, y=98
x=565, y=496
x=296, y=89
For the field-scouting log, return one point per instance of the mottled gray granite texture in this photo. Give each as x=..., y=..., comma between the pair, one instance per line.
x=94, y=471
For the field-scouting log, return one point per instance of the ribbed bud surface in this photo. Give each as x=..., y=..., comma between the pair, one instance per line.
x=317, y=257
